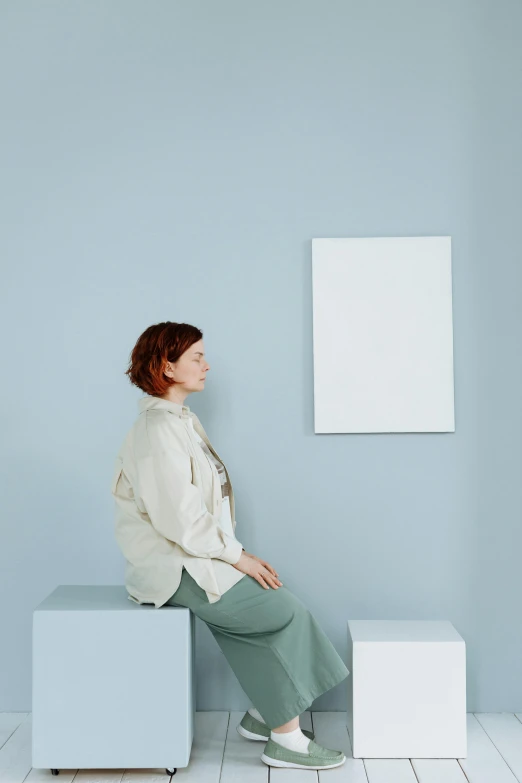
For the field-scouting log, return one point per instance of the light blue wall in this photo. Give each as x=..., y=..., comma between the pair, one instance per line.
x=172, y=161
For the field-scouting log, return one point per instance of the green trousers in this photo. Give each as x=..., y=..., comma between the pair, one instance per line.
x=275, y=647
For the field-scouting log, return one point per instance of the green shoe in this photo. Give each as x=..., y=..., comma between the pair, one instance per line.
x=276, y=755
x=254, y=729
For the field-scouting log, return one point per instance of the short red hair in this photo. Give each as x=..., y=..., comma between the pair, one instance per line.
x=158, y=344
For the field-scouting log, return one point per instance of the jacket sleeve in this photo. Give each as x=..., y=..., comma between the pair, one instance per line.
x=176, y=507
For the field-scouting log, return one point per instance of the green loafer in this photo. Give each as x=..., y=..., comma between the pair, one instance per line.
x=254, y=729
x=276, y=755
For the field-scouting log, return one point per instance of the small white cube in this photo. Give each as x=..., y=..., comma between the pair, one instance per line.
x=407, y=692
x=113, y=681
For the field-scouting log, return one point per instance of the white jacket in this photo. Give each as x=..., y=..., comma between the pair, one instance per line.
x=168, y=507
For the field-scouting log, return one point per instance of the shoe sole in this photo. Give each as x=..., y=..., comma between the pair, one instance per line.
x=249, y=734
x=277, y=763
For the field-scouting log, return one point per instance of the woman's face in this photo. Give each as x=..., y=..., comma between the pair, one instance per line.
x=191, y=369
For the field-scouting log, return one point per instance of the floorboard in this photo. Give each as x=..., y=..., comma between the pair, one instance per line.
x=221, y=755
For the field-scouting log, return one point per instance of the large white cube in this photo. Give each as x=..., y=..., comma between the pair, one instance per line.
x=113, y=681
x=407, y=692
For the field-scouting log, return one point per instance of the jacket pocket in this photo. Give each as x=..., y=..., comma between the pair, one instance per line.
x=193, y=471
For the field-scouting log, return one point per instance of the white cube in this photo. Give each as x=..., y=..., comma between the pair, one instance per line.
x=113, y=681
x=407, y=692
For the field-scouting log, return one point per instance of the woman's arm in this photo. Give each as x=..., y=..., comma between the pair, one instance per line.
x=176, y=507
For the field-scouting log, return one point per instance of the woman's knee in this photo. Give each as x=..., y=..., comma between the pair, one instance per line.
x=282, y=609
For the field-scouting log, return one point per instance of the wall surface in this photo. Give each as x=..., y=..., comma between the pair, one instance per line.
x=172, y=161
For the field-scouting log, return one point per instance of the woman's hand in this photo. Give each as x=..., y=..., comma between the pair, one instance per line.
x=259, y=569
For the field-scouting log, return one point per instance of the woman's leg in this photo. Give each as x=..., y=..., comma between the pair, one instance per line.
x=290, y=726
x=277, y=650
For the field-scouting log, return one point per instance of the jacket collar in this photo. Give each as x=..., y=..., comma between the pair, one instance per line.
x=150, y=402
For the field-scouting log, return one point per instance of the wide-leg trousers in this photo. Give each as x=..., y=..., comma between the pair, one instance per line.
x=275, y=647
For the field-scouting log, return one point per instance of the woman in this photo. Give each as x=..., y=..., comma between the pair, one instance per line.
x=175, y=524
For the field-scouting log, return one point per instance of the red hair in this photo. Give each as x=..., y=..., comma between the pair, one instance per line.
x=158, y=344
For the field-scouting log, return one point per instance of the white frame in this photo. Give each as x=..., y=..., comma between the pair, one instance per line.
x=383, y=334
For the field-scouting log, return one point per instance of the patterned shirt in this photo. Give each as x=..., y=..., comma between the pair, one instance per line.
x=226, y=520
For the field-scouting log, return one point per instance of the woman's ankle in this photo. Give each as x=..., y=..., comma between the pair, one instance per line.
x=292, y=725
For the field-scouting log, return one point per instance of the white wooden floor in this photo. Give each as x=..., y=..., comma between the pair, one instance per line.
x=221, y=755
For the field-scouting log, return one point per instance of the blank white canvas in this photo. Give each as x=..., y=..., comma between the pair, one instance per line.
x=383, y=334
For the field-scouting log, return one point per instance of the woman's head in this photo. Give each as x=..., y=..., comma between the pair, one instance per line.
x=168, y=360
